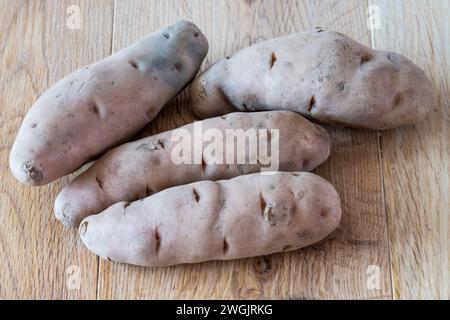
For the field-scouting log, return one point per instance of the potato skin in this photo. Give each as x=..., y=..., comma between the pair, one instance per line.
x=103, y=104
x=138, y=169
x=213, y=221
x=322, y=75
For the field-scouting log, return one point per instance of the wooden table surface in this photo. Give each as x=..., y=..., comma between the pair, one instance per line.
x=394, y=185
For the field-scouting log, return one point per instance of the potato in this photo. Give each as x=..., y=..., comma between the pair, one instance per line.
x=141, y=168
x=322, y=75
x=103, y=104
x=246, y=216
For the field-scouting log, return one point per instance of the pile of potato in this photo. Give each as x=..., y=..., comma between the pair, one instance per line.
x=135, y=205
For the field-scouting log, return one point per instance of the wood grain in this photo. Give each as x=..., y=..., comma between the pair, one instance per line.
x=333, y=269
x=416, y=159
x=394, y=185
x=37, y=49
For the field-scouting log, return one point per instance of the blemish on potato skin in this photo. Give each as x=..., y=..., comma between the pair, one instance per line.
x=133, y=64
x=341, y=85
x=33, y=125
x=292, y=193
x=196, y=195
x=249, y=101
x=225, y=246
x=398, y=99
x=203, y=163
x=99, y=182
x=273, y=59
x=166, y=35
x=33, y=173
x=324, y=213
x=157, y=240
x=312, y=104
x=262, y=202
x=177, y=66
x=161, y=143
x=65, y=212
x=150, y=146
x=203, y=96
x=266, y=210
x=391, y=57
x=366, y=58
x=81, y=87
x=141, y=146
x=94, y=108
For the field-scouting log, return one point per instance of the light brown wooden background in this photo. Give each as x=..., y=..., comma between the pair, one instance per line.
x=394, y=184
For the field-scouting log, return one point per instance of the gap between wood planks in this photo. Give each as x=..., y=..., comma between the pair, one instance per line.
x=113, y=27
x=383, y=192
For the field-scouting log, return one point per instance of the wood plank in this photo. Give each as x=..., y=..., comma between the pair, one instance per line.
x=416, y=159
x=37, y=49
x=337, y=268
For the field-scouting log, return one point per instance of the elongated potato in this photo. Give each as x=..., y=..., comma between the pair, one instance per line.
x=246, y=216
x=103, y=104
x=141, y=168
x=323, y=75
